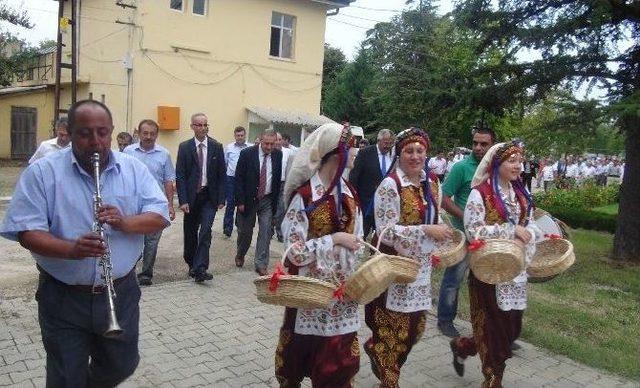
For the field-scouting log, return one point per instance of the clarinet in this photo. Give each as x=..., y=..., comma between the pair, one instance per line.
x=113, y=328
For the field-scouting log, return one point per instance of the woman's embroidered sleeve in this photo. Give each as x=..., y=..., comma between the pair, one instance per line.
x=295, y=227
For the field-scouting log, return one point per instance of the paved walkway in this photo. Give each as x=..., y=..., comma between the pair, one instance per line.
x=220, y=335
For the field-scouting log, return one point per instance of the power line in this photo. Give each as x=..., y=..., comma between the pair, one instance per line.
x=361, y=18
x=376, y=9
x=349, y=24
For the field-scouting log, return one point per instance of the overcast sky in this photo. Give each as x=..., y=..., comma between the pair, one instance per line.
x=345, y=30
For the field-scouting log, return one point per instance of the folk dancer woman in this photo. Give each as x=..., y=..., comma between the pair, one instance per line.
x=498, y=207
x=406, y=208
x=324, y=222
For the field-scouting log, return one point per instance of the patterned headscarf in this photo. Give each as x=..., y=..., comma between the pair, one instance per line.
x=325, y=140
x=411, y=135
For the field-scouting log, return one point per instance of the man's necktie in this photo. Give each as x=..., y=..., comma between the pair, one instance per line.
x=262, y=184
x=200, y=164
x=383, y=169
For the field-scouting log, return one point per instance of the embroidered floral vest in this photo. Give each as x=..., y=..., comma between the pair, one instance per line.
x=324, y=218
x=492, y=215
x=412, y=199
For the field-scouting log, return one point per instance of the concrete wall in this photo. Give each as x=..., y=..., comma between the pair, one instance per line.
x=217, y=64
x=42, y=100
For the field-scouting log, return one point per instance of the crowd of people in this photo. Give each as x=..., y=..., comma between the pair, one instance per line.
x=321, y=199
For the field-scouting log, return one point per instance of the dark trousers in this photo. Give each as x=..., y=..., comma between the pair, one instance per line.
x=197, y=232
x=279, y=216
x=527, y=180
x=263, y=211
x=441, y=177
x=229, y=211
x=368, y=224
x=72, y=323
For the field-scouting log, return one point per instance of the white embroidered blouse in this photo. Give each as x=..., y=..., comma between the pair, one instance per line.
x=319, y=258
x=510, y=295
x=409, y=241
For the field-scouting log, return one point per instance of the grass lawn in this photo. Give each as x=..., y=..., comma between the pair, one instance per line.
x=591, y=313
x=611, y=209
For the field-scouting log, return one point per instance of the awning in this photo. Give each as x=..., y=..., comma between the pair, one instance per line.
x=21, y=89
x=290, y=117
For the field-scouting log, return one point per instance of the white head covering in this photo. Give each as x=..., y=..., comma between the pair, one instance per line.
x=482, y=172
x=307, y=160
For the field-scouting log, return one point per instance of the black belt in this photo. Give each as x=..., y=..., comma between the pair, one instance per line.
x=84, y=288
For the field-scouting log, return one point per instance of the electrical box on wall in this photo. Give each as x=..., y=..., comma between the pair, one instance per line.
x=169, y=117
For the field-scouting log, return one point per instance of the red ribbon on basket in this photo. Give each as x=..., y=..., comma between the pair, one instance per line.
x=435, y=260
x=275, y=278
x=476, y=244
x=553, y=236
x=339, y=292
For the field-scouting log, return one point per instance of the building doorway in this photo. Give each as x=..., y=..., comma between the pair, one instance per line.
x=24, y=124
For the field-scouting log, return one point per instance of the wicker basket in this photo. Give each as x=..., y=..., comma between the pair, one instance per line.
x=562, y=227
x=498, y=261
x=552, y=257
x=295, y=291
x=370, y=280
x=454, y=251
x=405, y=270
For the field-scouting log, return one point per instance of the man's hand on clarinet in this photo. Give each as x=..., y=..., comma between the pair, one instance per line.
x=110, y=215
x=88, y=245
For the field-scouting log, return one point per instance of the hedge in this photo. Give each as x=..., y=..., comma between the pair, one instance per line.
x=585, y=218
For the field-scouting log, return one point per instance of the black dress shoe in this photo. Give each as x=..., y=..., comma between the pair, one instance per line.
x=448, y=329
x=207, y=276
x=199, y=278
x=145, y=281
x=192, y=273
x=457, y=365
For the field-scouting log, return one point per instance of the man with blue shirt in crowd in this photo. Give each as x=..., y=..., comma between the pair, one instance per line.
x=158, y=161
x=231, y=154
x=51, y=214
x=455, y=192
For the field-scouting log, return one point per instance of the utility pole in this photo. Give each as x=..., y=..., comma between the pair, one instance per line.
x=73, y=66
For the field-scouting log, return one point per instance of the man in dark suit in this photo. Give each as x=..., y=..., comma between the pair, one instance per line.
x=200, y=182
x=257, y=186
x=370, y=166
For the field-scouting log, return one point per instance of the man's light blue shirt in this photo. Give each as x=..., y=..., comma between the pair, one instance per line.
x=157, y=160
x=231, y=155
x=55, y=195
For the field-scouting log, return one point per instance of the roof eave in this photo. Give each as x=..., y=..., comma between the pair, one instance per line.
x=334, y=3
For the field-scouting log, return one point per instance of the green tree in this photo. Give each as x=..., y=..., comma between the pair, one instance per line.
x=573, y=42
x=346, y=96
x=14, y=52
x=334, y=62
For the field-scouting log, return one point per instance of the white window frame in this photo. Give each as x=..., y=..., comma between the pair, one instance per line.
x=283, y=28
x=178, y=10
x=206, y=8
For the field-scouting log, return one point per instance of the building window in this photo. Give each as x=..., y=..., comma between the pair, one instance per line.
x=200, y=7
x=282, y=27
x=176, y=4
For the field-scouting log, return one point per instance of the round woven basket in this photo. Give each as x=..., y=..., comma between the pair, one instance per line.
x=562, y=226
x=537, y=213
x=295, y=291
x=454, y=251
x=552, y=257
x=498, y=261
x=370, y=280
x=405, y=270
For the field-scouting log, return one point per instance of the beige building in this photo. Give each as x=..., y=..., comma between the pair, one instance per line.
x=255, y=63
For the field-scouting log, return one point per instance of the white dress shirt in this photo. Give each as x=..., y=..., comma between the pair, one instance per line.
x=286, y=154
x=47, y=147
x=231, y=155
x=204, y=159
x=388, y=158
x=261, y=154
x=438, y=166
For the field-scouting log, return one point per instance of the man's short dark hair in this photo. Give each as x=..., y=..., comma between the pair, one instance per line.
x=125, y=135
x=146, y=122
x=74, y=108
x=239, y=129
x=486, y=131
x=63, y=121
x=286, y=136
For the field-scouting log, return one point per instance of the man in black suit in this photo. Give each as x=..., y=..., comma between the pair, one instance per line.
x=370, y=166
x=257, y=186
x=200, y=180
